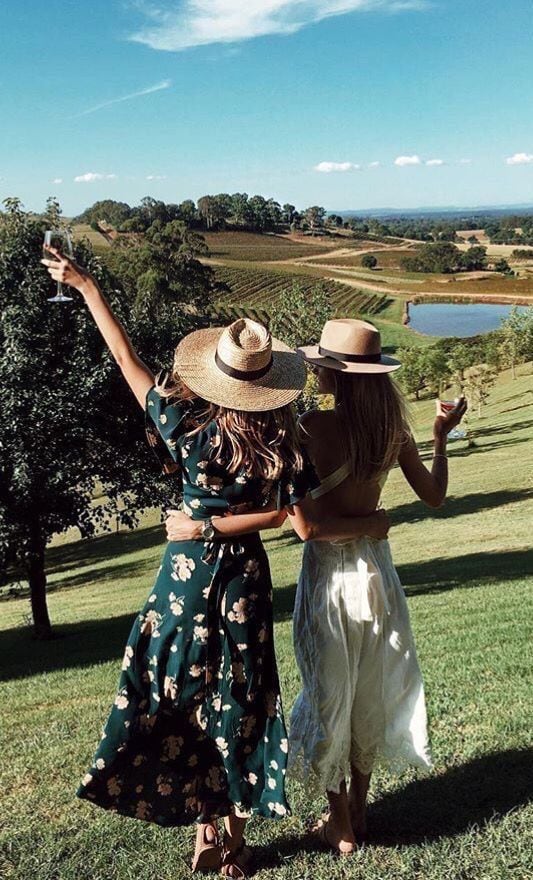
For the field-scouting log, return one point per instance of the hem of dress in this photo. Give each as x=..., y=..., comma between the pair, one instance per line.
x=302, y=770
x=184, y=822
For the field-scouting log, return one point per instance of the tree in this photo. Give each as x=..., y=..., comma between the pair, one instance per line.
x=437, y=369
x=68, y=420
x=314, y=216
x=516, y=339
x=460, y=358
x=502, y=265
x=478, y=381
x=288, y=213
x=369, y=261
x=108, y=211
x=440, y=256
x=474, y=259
x=163, y=267
x=298, y=320
x=414, y=370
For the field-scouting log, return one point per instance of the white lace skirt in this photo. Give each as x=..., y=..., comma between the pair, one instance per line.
x=362, y=699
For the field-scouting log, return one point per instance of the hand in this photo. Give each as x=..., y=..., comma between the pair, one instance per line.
x=378, y=525
x=181, y=527
x=445, y=423
x=66, y=271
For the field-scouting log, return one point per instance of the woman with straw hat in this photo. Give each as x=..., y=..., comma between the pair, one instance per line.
x=196, y=731
x=362, y=698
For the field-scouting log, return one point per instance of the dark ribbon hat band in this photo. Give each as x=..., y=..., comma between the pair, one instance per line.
x=350, y=358
x=241, y=374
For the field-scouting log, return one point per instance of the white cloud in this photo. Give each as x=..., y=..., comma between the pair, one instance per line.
x=202, y=22
x=374, y=164
x=92, y=176
x=434, y=163
x=520, y=159
x=403, y=161
x=156, y=177
x=465, y=161
x=57, y=180
x=328, y=167
x=164, y=84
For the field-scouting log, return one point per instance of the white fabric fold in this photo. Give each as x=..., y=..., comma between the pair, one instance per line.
x=362, y=697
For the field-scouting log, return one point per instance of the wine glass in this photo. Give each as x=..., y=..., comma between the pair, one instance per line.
x=443, y=408
x=59, y=239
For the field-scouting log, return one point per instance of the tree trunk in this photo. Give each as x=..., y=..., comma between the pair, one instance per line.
x=42, y=628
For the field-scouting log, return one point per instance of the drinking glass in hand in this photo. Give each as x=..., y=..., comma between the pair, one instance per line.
x=60, y=240
x=443, y=408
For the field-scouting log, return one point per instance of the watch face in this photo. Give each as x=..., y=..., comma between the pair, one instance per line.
x=208, y=531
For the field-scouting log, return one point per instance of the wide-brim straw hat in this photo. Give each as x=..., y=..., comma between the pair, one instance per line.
x=240, y=367
x=350, y=345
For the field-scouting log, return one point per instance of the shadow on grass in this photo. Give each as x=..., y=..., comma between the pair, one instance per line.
x=458, y=505
x=95, y=550
x=442, y=574
x=457, y=800
x=479, y=432
x=437, y=807
x=74, y=645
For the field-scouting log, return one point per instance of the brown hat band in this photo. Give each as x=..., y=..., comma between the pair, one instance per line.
x=241, y=374
x=350, y=358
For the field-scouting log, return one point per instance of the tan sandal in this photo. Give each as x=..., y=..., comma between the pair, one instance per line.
x=320, y=830
x=237, y=864
x=208, y=853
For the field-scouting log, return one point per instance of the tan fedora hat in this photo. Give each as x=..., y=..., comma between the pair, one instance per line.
x=350, y=345
x=240, y=367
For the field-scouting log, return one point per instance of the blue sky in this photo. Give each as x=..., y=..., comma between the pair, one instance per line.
x=335, y=102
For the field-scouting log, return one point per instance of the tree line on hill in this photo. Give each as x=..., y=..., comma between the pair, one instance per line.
x=210, y=212
x=509, y=229
x=259, y=214
x=445, y=258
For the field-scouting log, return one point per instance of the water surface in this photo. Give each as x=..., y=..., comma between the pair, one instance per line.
x=457, y=319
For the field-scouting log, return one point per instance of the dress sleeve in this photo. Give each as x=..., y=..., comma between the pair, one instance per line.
x=164, y=424
x=293, y=488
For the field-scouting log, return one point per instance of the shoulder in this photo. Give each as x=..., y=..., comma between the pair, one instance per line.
x=313, y=422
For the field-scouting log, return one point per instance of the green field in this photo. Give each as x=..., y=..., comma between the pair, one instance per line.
x=83, y=230
x=256, y=247
x=391, y=259
x=467, y=572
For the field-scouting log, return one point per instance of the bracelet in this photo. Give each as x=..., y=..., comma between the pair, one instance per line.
x=440, y=455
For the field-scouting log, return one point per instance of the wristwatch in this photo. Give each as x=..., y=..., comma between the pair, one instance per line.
x=208, y=530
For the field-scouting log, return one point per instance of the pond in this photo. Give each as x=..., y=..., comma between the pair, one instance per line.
x=457, y=319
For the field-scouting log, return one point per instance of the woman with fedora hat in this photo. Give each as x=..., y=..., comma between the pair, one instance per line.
x=196, y=731
x=362, y=698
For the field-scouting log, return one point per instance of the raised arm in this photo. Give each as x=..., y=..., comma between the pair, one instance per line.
x=136, y=373
x=431, y=485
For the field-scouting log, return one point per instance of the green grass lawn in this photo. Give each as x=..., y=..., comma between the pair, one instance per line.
x=467, y=572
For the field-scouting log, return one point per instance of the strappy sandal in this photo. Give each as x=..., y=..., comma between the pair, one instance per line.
x=208, y=853
x=237, y=864
x=320, y=830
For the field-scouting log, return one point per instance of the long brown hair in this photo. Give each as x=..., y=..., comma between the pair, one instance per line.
x=373, y=420
x=263, y=444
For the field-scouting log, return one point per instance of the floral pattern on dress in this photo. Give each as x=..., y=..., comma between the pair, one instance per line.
x=197, y=728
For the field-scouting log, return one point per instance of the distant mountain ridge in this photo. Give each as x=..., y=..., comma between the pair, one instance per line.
x=439, y=211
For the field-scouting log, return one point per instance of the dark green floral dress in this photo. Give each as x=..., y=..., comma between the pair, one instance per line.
x=197, y=726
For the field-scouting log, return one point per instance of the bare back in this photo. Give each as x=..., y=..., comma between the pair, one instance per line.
x=321, y=435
